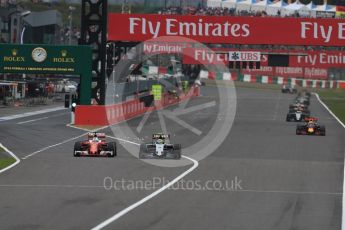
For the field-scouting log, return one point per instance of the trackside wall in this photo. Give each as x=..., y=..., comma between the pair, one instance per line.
x=112, y=114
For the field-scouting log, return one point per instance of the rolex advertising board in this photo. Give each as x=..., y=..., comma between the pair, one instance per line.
x=49, y=59
x=42, y=59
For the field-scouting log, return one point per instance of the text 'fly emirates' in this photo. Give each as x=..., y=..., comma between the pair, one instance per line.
x=173, y=27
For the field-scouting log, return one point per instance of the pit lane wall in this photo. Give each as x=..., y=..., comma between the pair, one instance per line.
x=97, y=115
x=307, y=83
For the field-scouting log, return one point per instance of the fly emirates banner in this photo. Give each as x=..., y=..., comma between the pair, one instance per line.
x=226, y=29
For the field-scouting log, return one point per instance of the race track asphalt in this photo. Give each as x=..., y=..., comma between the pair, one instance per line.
x=280, y=180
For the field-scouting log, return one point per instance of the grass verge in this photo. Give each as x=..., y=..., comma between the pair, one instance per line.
x=5, y=160
x=335, y=100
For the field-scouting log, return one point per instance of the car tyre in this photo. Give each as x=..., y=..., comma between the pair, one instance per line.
x=142, y=151
x=112, y=147
x=323, y=131
x=298, y=130
x=77, y=147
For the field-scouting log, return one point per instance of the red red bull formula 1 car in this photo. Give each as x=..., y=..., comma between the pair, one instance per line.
x=95, y=145
x=311, y=127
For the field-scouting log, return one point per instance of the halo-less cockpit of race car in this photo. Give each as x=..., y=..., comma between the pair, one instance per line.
x=303, y=109
x=302, y=99
x=160, y=148
x=289, y=89
x=95, y=145
x=311, y=127
x=297, y=115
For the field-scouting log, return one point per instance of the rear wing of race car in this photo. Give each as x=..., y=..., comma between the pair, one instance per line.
x=310, y=119
x=160, y=136
x=99, y=135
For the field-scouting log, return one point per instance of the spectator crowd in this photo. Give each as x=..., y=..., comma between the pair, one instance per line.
x=219, y=11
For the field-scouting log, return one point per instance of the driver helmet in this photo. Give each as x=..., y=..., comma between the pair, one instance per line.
x=95, y=138
x=160, y=141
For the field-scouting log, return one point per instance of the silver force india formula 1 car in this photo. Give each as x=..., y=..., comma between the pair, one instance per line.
x=311, y=127
x=297, y=115
x=299, y=107
x=95, y=145
x=289, y=89
x=160, y=148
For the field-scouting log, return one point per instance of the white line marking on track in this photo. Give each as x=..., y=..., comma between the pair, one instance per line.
x=13, y=155
x=342, y=124
x=85, y=129
x=140, y=202
x=115, y=138
x=147, y=198
x=71, y=139
x=60, y=143
x=38, y=119
x=51, y=146
x=120, y=139
x=62, y=186
x=28, y=114
x=49, y=186
x=143, y=121
x=41, y=118
x=330, y=111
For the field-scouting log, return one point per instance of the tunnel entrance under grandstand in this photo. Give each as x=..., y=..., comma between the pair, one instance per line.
x=47, y=59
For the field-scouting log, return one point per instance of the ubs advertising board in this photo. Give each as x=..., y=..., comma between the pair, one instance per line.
x=45, y=59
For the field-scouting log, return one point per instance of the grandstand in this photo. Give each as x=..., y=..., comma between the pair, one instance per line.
x=259, y=8
x=277, y=8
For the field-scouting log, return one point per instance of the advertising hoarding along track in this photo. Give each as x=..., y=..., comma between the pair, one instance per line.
x=225, y=29
x=48, y=59
x=297, y=58
x=289, y=72
x=244, y=56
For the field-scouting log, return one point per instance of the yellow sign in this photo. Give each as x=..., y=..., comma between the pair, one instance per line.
x=157, y=92
x=340, y=14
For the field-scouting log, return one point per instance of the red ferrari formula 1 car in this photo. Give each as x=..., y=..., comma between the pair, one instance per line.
x=95, y=145
x=311, y=127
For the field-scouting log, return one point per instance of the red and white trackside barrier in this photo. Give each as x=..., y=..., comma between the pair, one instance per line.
x=307, y=83
x=112, y=114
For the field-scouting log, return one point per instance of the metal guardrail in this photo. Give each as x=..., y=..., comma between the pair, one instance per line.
x=33, y=101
